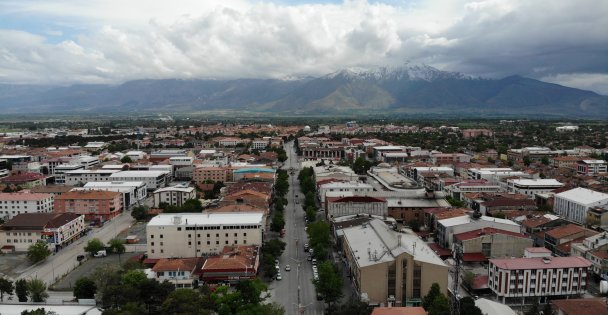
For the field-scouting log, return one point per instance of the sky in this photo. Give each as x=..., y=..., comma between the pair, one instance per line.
x=113, y=41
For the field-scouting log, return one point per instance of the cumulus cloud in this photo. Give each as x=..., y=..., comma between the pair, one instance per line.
x=118, y=40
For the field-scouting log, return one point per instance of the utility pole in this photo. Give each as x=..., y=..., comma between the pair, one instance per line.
x=455, y=301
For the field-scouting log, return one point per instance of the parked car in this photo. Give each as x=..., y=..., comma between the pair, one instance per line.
x=287, y=268
x=279, y=277
x=314, y=261
x=101, y=253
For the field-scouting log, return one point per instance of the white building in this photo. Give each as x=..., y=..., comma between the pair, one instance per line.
x=566, y=128
x=260, y=144
x=78, y=177
x=194, y=234
x=538, y=277
x=447, y=228
x=152, y=179
x=12, y=204
x=180, y=161
x=174, y=196
x=356, y=188
x=136, y=155
x=133, y=192
x=530, y=187
x=61, y=169
x=591, y=167
x=87, y=161
x=574, y=204
x=488, y=173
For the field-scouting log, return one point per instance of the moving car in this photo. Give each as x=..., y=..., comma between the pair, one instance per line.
x=287, y=268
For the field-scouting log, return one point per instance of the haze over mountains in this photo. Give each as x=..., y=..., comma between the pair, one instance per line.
x=400, y=90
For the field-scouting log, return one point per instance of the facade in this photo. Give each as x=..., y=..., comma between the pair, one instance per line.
x=574, y=204
x=216, y=174
x=474, y=133
x=538, y=277
x=492, y=243
x=196, y=234
x=530, y=187
x=234, y=263
x=259, y=144
x=343, y=187
x=344, y=206
x=174, y=196
x=61, y=169
x=591, y=167
x=80, y=177
x=178, y=271
x=449, y=158
x=56, y=230
x=94, y=204
x=391, y=267
x=315, y=152
x=133, y=192
x=12, y=204
x=152, y=179
x=446, y=229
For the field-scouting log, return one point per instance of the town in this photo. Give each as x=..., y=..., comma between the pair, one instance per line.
x=191, y=216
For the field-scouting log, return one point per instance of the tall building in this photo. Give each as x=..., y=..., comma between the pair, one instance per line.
x=12, y=204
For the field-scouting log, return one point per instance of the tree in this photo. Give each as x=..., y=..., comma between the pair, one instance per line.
x=184, y=301
x=440, y=306
x=85, y=288
x=354, y=306
x=36, y=290
x=126, y=159
x=140, y=213
x=21, y=290
x=134, y=278
x=428, y=299
x=548, y=309
x=278, y=222
x=38, y=251
x=467, y=278
x=527, y=161
x=329, y=285
x=251, y=291
x=38, y=311
x=468, y=307
x=311, y=214
x=93, y=246
x=545, y=160
x=6, y=286
x=117, y=246
x=533, y=310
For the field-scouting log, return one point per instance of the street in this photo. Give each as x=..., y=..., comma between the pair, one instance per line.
x=64, y=261
x=296, y=289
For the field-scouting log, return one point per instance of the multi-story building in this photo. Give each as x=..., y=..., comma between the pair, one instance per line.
x=519, y=278
x=479, y=245
x=449, y=158
x=54, y=229
x=96, y=205
x=530, y=187
x=591, y=167
x=181, y=161
x=344, y=206
x=136, y=155
x=152, y=179
x=574, y=204
x=195, y=234
x=474, y=133
x=564, y=235
x=82, y=176
x=344, y=187
x=391, y=267
x=535, y=154
x=61, y=169
x=174, y=195
x=216, y=174
x=133, y=192
x=447, y=228
x=260, y=144
x=12, y=204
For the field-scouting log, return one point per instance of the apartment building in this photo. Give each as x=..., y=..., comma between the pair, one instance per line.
x=83, y=176
x=479, y=245
x=174, y=196
x=96, y=205
x=260, y=144
x=61, y=169
x=133, y=192
x=152, y=179
x=194, y=234
x=447, y=228
x=591, y=167
x=574, y=204
x=353, y=205
x=519, y=278
x=216, y=174
x=391, y=267
x=356, y=188
x=55, y=229
x=12, y=204
x=530, y=187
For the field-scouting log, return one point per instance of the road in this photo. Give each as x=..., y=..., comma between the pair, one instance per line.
x=296, y=288
x=64, y=261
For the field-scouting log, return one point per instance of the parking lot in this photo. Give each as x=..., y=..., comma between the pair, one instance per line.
x=12, y=265
x=88, y=267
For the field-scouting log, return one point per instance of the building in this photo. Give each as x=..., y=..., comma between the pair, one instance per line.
x=407, y=310
x=82, y=176
x=447, y=228
x=133, y=192
x=344, y=206
x=519, y=278
x=580, y=306
x=260, y=144
x=356, y=188
x=12, y=204
x=474, y=133
x=216, y=174
x=136, y=155
x=55, y=229
x=181, y=161
x=234, y=263
x=25, y=180
x=479, y=245
x=530, y=187
x=559, y=236
x=591, y=167
x=60, y=170
x=152, y=179
x=174, y=196
x=96, y=205
x=391, y=267
x=195, y=234
x=252, y=197
x=178, y=271
x=449, y=158
x=574, y=204
x=249, y=173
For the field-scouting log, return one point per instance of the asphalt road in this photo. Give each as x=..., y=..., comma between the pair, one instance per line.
x=296, y=291
x=64, y=261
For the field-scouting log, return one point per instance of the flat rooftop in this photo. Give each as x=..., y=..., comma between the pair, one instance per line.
x=215, y=218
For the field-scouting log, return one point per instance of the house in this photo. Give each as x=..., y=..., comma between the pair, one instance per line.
x=178, y=271
x=565, y=234
x=447, y=228
x=391, y=267
x=25, y=180
x=574, y=204
x=183, y=235
x=580, y=306
x=96, y=205
x=174, y=195
x=234, y=263
x=56, y=230
x=12, y=204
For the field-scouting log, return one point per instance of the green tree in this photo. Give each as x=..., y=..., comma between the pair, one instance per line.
x=354, y=306
x=21, y=290
x=440, y=306
x=6, y=287
x=311, y=214
x=329, y=285
x=251, y=291
x=134, y=278
x=184, y=302
x=468, y=307
x=545, y=160
x=527, y=161
x=278, y=222
x=36, y=290
x=38, y=251
x=428, y=299
x=38, y=311
x=93, y=246
x=467, y=278
x=85, y=288
x=126, y=159
x=117, y=246
x=140, y=213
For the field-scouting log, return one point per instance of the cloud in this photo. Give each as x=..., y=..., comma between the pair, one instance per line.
x=119, y=41
x=597, y=82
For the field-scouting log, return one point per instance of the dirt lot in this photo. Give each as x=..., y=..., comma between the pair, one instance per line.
x=139, y=229
x=13, y=265
x=88, y=267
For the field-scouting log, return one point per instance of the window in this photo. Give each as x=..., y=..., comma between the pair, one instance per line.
x=161, y=236
x=152, y=244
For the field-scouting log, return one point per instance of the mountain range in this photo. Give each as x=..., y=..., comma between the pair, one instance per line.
x=410, y=89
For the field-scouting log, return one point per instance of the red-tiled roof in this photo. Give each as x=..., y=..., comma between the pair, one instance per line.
x=359, y=199
x=19, y=196
x=508, y=202
x=581, y=306
x=485, y=231
x=567, y=230
x=174, y=264
x=22, y=178
x=230, y=260
x=480, y=282
x=474, y=257
x=440, y=251
x=539, y=263
x=61, y=219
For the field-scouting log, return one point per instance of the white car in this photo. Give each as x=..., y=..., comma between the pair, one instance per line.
x=287, y=268
x=279, y=277
x=277, y=267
